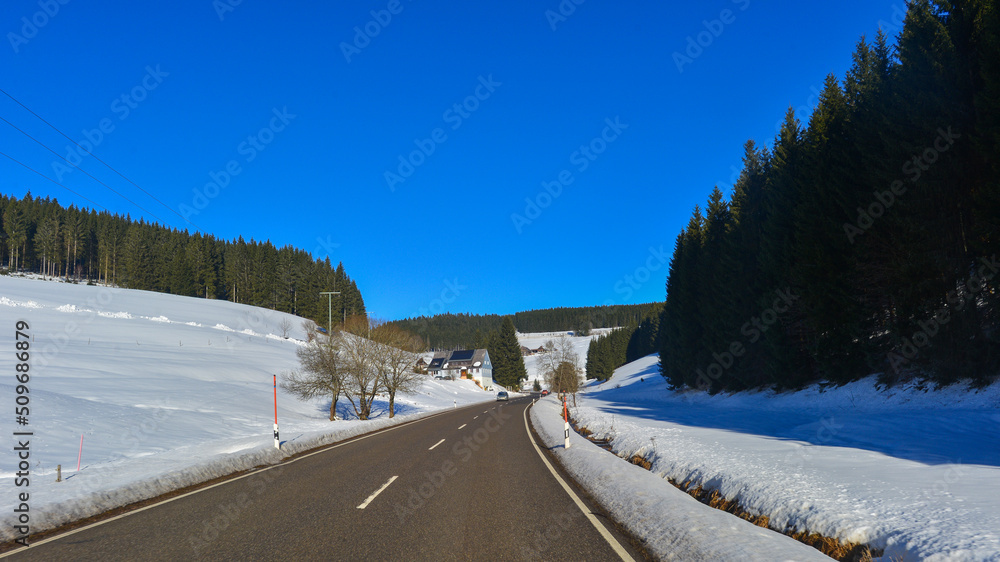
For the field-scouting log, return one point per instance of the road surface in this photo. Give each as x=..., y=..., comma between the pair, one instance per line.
x=464, y=485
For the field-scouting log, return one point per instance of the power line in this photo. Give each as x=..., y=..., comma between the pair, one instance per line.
x=54, y=128
x=40, y=143
x=16, y=161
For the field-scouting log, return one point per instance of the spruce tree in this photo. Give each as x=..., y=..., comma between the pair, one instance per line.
x=505, y=353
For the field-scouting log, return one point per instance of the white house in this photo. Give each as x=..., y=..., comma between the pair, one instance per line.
x=472, y=364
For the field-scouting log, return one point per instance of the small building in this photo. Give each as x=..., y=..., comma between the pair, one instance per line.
x=526, y=352
x=471, y=364
x=421, y=366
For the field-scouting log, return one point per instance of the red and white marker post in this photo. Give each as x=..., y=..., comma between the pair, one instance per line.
x=277, y=443
x=566, y=420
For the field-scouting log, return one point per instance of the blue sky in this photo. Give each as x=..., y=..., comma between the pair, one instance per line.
x=483, y=157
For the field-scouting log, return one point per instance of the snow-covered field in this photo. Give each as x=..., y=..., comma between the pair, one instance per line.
x=910, y=471
x=165, y=391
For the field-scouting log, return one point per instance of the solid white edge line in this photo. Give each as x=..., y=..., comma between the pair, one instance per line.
x=251, y=473
x=435, y=445
x=377, y=492
x=612, y=542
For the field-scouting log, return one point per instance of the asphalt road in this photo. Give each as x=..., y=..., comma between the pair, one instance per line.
x=464, y=485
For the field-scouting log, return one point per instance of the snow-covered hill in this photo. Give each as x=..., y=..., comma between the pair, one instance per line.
x=908, y=470
x=164, y=390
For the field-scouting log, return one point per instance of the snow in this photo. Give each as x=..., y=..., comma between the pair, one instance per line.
x=675, y=525
x=166, y=391
x=913, y=471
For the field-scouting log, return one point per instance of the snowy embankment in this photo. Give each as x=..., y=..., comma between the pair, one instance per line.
x=674, y=525
x=913, y=471
x=165, y=391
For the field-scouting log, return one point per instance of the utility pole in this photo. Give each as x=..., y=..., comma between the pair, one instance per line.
x=329, y=317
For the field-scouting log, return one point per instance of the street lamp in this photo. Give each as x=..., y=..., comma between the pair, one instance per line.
x=329, y=321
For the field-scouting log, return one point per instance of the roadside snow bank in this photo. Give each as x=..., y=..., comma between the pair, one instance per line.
x=909, y=470
x=675, y=525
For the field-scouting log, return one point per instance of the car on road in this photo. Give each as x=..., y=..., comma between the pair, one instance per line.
x=502, y=396
x=545, y=393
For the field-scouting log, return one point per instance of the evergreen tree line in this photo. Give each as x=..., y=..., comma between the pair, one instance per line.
x=39, y=235
x=457, y=331
x=624, y=345
x=864, y=241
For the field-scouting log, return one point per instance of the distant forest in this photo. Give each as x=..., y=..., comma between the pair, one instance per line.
x=864, y=241
x=454, y=331
x=41, y=236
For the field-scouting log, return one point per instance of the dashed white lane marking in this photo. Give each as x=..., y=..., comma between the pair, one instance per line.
x=372, y=497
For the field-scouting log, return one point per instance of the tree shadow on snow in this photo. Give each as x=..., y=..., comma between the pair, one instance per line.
x=932, y=437
x=380, y=409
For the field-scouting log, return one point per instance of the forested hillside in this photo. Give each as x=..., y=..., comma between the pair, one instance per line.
x=451, y=331
x=864, y=241
x=624, y=345
x=41, y=236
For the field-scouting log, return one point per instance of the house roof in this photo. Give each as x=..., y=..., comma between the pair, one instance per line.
x=457, y=359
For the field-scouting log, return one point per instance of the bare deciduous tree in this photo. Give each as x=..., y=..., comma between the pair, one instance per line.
x=310, y=328
x=561, y=366
x=322, y=373
x=397, y=356
x=361, y=364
